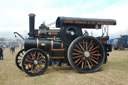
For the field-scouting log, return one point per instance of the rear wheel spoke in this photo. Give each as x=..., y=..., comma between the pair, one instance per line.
x=86, y=46
x=96, y=54
x=94, y=48
x=83, y=43
x=79, y=56
x=81, y=47
x=77, y=51
x=85, y=64
x=90, y=44
x=82, y=66
x=89, y=64
x=78, y=47
x=91, y=47
x=94, y=60
x=93, y=52
x=77, y=60
x=94, y=57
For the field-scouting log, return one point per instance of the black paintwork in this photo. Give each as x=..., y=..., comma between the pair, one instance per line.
x=90, y=22
x=39, y=38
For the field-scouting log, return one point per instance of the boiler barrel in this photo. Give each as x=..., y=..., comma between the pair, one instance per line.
x=46, y=45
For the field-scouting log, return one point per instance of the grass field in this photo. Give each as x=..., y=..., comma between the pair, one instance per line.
x=115, y=72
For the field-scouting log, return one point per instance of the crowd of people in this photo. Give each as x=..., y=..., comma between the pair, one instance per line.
x=2, y=48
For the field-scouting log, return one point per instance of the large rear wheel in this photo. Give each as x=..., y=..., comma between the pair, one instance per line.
x=86, y=54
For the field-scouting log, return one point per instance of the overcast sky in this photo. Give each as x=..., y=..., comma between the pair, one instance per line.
x=14, y=13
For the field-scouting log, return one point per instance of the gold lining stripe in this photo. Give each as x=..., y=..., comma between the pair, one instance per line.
x=52, y=38
x=62, y=45
x=37, y=43
x=57, y=49
x=68, y=21
x=51, y=44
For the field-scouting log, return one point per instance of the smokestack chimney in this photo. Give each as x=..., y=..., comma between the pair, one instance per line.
x=31, y=25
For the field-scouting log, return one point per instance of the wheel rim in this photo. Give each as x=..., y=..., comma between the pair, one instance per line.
x=86, y=54
x=18, y=59
x=35, y=62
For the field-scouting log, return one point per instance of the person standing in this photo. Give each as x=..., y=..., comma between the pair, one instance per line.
x=1, y=53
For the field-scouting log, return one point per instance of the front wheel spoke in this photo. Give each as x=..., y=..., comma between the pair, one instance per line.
x=42, y=60
x=29, y=58
x=32, y=67
x=40, y=67
x=35, y=69
x=27, y=66
x=41, y=57
x=29, y=61
x=94, y=60
x=33, y=57
x=77, y=51
x=38, y=55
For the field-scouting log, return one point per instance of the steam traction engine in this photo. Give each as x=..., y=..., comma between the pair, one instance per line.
x=68, y=44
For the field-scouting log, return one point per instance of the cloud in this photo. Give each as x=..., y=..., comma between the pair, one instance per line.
x=14, y=16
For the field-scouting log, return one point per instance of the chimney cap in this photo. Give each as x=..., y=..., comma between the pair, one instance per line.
x=31, y=14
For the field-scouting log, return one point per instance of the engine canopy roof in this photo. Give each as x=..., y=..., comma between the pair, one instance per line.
x=84, y=22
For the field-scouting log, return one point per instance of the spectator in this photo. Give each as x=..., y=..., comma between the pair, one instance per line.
x=1, y=53
x=12, y=49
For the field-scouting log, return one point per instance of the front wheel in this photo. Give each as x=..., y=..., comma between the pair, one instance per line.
x=86, y=54
x=18, y=58
x=35, y=62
